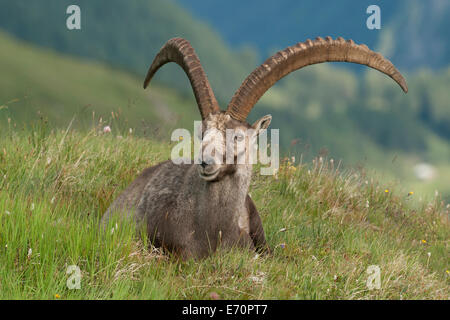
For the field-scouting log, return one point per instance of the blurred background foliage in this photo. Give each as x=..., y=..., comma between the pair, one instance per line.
x=339, y=111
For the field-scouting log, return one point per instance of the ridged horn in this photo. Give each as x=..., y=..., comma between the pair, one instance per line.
x=180, y=51
x=298, y=56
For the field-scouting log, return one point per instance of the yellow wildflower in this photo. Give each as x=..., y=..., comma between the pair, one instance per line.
x=57, y=296
x=424, y=241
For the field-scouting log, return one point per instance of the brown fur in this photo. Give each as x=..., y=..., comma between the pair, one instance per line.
x=189, y=216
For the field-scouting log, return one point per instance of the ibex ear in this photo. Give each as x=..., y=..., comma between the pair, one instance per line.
x=262, y=124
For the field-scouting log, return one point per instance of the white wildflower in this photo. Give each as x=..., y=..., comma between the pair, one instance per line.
x=258, y=278
x=116, y=227
x=106, y=129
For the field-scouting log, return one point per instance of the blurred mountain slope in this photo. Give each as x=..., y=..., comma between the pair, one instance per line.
x=37, y=81
x=127, y=34
x=413, y=33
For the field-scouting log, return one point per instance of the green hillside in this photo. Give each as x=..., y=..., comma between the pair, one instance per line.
x=39, y=82
x=326, y=227
x=127, y=34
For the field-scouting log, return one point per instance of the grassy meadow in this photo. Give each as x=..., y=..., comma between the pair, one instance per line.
x=325, y=226
x=325, y=222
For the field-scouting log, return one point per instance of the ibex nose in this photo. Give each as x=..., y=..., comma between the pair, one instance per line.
x=206, y=162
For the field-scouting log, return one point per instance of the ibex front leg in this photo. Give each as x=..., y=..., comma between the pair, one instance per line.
x=256, y=228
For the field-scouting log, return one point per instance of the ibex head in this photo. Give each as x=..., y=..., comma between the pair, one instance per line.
x=227, y=144
x=216, y=122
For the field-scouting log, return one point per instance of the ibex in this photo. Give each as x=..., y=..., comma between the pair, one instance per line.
x=192, y=209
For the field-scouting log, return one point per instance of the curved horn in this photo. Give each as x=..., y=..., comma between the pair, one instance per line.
x=180, y=51
x=298, y=56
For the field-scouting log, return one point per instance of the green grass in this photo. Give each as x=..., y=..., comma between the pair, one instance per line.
x=325, y=227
